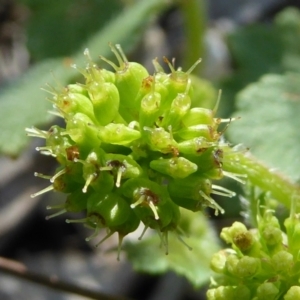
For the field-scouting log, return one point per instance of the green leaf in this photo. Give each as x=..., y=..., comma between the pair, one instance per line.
x=148, y=256
x=255, y=50
x=262, y=48
x=78, y=18
x=23, y=104
x=288, y=24
x=269, y=125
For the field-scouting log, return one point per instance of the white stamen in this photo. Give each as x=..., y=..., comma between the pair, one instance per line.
x=96, y=232
x=154, y=209
x=88, y=182
x=219, y=190
x=36, y=174
x=45, y=190
x=105, y=238
x=61, y=172
x=119, y=176
x=138, y=202
x=56, y=214
x=235, y=176
x=214, y=204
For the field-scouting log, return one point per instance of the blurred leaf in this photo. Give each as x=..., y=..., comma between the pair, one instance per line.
x=288, y=24
x=56, y=28
x=23, y=104
x=269, y=125
x=260, y=49
x=255, y=50
x=147, y=256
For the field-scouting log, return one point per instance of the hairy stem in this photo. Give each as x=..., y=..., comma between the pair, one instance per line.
x=19, y=270
x=260, y=175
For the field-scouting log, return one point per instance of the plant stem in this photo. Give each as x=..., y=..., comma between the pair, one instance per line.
x=19, y=270
x=260, y=175
x=194, y=18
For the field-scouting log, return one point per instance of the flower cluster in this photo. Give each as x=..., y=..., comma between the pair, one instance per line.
x=262, y=263
x=135, y=148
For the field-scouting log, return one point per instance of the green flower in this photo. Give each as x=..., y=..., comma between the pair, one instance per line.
x=135, y=148
x=265, y=261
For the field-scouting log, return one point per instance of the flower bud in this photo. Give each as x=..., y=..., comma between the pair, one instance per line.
x=122, y=167
x=228, y=234
x=78, y=89
x=159, y=140
x=247, y=267
x=193, y=193
x=107, y=210
x=79, y=129
x=141, y=191
x=209, y=163
x=242, y=292
x=272, y=236
x=93, y=73
x=130, y=225
x=199, y=115
x=176, y=167
x=56, y=142
x=196, y=146
x=92, y=172
x=267, y=290
x=65, y=183
x=178, y=81
x=118, y=134
x=218, y=261
x=164, y=212
x=231, y=263
x=179, y=107
x=293, y=293
x=195, y=131
x=282, y=261
x=188, y=192
x=174, y=211
x=69, y=103
x=105, y=100
x=150, y=109
x=76, y=201
x=129, y=77
x=221, y=293
x=244, y=241
x=292, y=226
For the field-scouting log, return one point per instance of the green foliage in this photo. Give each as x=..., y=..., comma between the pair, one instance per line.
x=261, y=49
x=75, y=19
x=263, y=263
x=269, y=124
x=147, y=256
x=288, y=25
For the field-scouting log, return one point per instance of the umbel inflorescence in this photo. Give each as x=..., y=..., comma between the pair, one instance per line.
x=262, y=263
x=135, y=148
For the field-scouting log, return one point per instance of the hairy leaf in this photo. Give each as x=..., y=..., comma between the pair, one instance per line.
x=269, y=125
